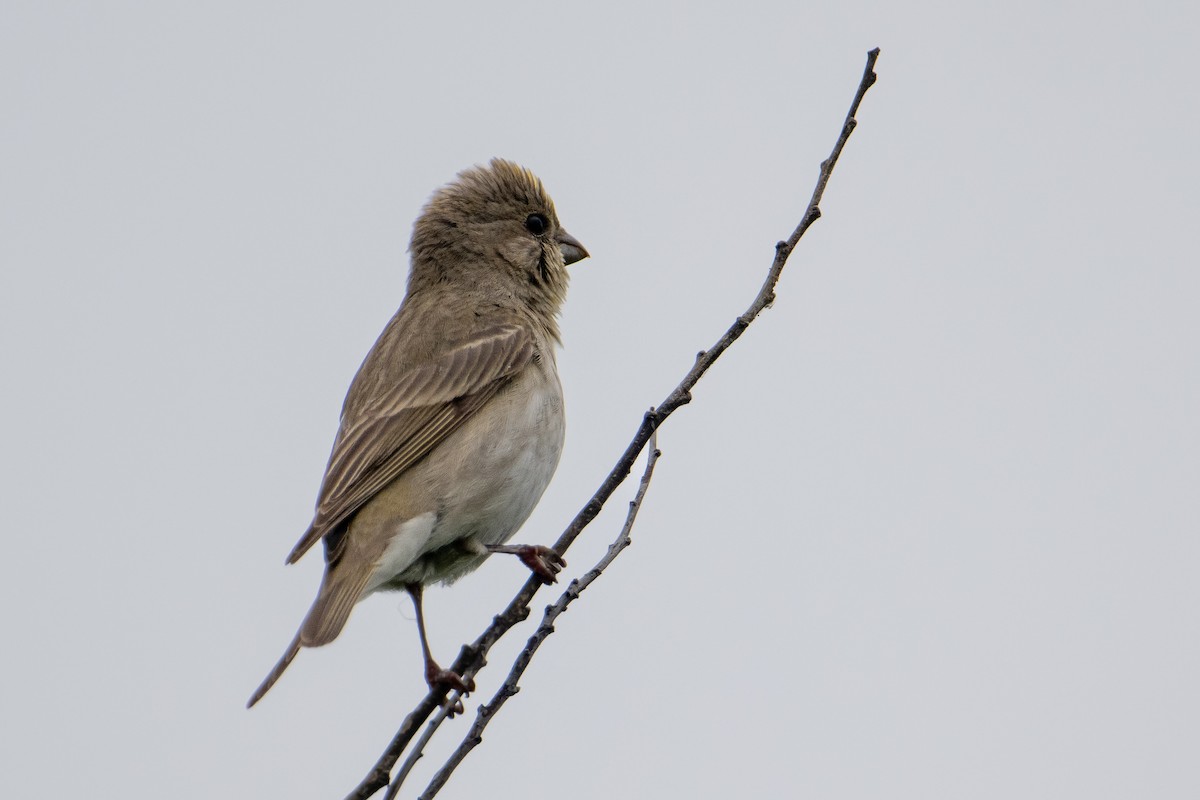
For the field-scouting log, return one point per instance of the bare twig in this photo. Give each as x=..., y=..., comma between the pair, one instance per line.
x=485, y=713
x=473, y=657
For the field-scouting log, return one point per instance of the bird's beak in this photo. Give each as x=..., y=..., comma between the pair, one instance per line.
x=572, y=249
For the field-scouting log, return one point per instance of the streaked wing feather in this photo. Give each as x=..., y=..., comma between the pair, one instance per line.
x=396, y=431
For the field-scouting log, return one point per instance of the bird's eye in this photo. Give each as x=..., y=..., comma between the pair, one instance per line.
x=536, y=224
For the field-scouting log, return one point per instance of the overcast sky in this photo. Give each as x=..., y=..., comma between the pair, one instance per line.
x=928, y=530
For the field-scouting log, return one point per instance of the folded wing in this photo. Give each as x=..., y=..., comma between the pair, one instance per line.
x=396, y=431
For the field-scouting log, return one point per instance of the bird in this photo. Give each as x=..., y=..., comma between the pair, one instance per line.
x=453, y=426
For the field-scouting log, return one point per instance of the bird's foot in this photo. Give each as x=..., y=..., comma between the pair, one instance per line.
x=544, y=562
x=445, y=680
x=439, y=678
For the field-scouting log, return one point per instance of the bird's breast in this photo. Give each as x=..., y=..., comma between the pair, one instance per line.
x=508, y=458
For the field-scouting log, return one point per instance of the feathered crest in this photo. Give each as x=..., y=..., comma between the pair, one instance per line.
x=489, y=192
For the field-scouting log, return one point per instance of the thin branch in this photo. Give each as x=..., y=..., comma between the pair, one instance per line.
x=473, y=657
x=485, y=713
x=417, y=751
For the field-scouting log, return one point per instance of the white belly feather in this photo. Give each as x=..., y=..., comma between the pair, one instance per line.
x=480, y=484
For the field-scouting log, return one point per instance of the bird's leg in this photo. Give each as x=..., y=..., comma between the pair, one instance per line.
x=542, y=561
x=435, y=676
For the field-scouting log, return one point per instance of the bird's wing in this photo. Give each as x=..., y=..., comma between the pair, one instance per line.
x=424, y=406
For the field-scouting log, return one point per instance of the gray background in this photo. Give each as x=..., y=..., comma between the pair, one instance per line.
x=929, y=530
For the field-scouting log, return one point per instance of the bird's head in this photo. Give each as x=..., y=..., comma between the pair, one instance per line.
x=495, y=227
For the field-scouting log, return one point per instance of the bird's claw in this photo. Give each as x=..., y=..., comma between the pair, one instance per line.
x=542, y=561
x=438, y=678
x=448, y=680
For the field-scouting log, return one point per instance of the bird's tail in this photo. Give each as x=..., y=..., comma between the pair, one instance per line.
x=276, y=671
x=340, y=590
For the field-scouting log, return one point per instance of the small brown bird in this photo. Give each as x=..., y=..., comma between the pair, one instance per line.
x=453, y=426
